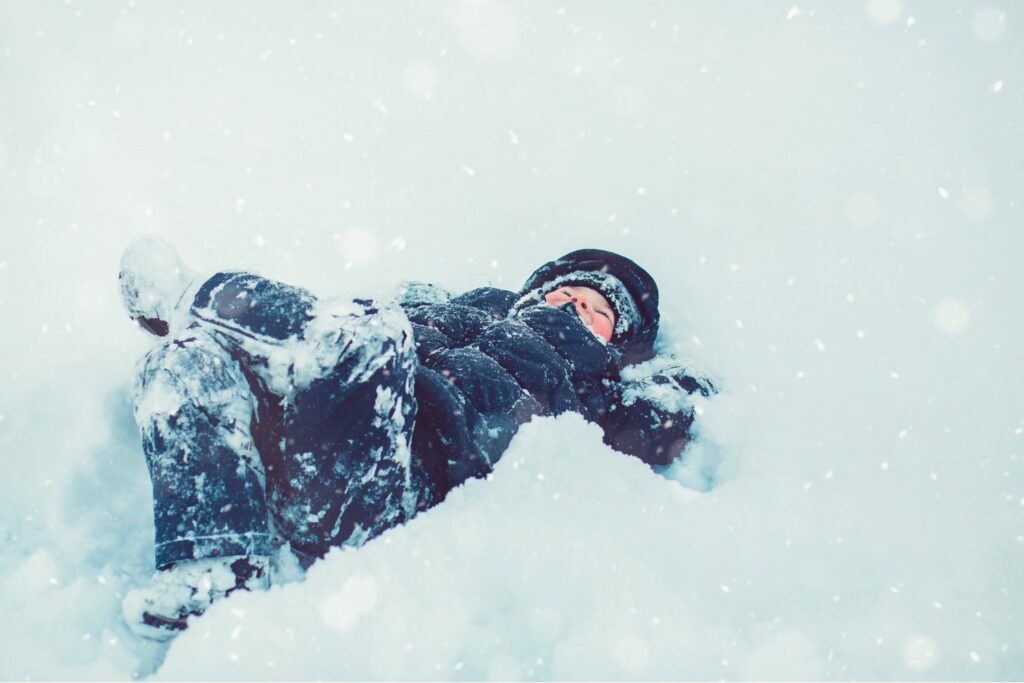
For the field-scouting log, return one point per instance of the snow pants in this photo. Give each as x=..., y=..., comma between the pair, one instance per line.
x=276, y=418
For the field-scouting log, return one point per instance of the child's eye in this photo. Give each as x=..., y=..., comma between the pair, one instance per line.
x=605, y=315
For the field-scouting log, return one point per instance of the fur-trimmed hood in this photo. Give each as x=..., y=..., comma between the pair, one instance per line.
x=629, y=289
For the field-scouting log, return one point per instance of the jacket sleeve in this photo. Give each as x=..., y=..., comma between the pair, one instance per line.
x=495, y=301
x=442, y=321
x=652, y=410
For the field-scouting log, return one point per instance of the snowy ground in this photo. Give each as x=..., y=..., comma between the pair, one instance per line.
x=829, y=195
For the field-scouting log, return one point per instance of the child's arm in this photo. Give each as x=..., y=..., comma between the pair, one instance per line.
x=652, y=410
x=413, y=294
x=443, y=321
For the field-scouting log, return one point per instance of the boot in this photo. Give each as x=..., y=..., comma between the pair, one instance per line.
x=156, y=286
x=160, y=610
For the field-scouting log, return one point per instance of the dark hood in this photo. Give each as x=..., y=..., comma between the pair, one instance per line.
x=630, y=290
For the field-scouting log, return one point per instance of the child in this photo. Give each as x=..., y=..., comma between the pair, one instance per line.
x=270, y=417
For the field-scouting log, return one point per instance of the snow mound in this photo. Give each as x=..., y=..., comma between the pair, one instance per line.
x=536, y=572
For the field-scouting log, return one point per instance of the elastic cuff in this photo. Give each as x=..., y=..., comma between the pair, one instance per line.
x=220, y=545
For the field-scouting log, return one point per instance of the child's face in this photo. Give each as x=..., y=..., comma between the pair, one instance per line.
x=591, y=306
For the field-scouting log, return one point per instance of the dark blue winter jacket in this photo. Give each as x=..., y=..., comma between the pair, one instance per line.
x=487, y=367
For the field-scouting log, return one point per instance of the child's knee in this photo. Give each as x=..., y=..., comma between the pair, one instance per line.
x=394, y=326
x=386, y=338
x=363, y=335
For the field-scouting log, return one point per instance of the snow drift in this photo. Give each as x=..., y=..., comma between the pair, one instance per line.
x=526, y=574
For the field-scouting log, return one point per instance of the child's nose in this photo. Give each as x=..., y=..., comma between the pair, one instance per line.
x=581, y=309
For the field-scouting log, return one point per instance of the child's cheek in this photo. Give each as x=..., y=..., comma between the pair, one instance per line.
x=555, y=298
x=603, y=327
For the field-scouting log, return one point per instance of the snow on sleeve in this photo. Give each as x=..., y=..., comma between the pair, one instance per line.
x=667, y=381
x=415, y=293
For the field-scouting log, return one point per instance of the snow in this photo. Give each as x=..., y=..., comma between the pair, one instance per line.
x=866, y=520
x=988, y=24
x=885, y=12
x=514, y=609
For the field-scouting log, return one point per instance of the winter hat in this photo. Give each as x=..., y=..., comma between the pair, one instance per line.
x=155, y=285
x=629, y=289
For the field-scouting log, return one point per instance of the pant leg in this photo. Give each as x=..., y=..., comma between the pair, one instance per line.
x=336, y=411
x=341, y=470
x=194, y=408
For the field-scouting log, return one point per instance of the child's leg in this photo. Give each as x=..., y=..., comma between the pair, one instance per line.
x=194, y=408
x=336, y=410
x=341, y=469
